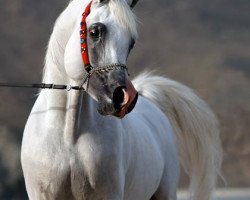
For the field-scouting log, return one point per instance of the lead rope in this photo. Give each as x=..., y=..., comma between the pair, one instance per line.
x=42, y=86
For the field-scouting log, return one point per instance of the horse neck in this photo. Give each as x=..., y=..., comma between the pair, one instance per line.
x=54, y=72
x=54, y=69
x=66, y=104
x=65, y=25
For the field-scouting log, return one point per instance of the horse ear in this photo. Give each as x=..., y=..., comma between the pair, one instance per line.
x=133, y=3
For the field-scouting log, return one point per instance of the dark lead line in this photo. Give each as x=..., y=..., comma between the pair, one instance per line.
x=42, y=86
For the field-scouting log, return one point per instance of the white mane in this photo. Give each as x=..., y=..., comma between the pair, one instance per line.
x=124, y=15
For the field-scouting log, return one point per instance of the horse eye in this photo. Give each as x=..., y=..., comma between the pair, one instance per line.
x=94, y=33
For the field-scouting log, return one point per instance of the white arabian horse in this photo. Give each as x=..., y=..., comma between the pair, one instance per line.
x=82, y=145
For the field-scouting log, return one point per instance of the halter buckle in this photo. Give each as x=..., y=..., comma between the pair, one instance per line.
x=68, y=88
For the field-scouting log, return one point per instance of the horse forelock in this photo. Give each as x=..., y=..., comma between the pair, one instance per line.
x=124, y=15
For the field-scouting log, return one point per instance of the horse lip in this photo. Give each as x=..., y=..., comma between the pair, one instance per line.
x=126, y=109
x=130, y=96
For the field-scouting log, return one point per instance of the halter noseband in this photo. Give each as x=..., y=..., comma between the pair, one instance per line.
x=84, y=50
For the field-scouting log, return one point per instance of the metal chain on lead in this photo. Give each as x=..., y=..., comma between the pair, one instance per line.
x=105, y=68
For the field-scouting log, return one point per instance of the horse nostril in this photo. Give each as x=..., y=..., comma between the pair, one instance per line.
x=118, y=98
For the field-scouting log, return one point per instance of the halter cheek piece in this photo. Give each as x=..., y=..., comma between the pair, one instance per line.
x=84, y=51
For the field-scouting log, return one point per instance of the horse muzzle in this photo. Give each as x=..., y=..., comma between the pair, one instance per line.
x=123, y=101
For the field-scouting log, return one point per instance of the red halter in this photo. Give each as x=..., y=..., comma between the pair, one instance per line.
x=83, y=36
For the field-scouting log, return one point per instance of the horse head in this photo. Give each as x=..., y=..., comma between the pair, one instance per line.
x=110, y=35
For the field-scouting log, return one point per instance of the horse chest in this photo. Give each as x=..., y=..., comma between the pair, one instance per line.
x=59, y=171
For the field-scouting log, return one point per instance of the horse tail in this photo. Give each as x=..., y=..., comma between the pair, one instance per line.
x=196, y=128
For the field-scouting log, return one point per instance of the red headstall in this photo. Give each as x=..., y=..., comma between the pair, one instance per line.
x=83, y=36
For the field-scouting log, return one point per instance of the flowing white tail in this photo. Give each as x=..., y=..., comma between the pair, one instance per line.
x=196, y=128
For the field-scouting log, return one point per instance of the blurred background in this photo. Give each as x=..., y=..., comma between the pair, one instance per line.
x=203, y=44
